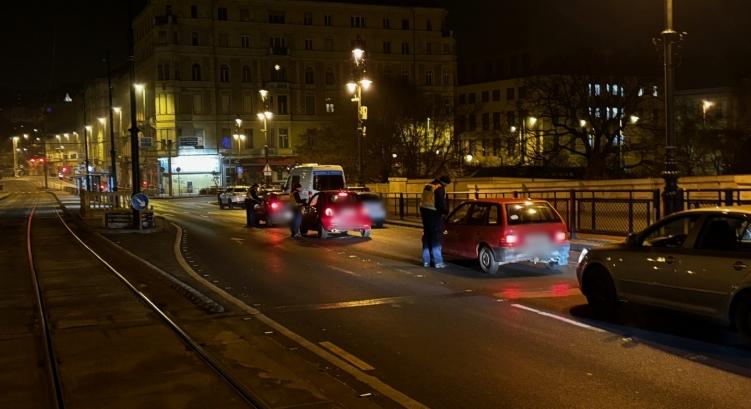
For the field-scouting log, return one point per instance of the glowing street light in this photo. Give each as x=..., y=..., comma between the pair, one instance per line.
x=15, y=155
x=582, y=123
x=102, y=120
x=468, y=158
x=264, y=93
x=351, y=87
x=365, y=83
x=706, y=105
x=358, y=54
x=633, y=119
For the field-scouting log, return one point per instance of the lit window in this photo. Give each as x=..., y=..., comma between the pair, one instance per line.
x=329, y=105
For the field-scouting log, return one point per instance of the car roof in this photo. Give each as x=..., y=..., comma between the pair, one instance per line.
x=744, y=209
x=506, y=200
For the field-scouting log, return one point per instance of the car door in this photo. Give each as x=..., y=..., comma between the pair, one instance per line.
x=720, y=260
x=310, y=213
x=645, y=271
x=455, y=229
x=477, y=229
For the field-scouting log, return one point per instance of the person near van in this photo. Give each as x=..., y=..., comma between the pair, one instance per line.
x=433, y=206
x=251, y=200
x=296, y=204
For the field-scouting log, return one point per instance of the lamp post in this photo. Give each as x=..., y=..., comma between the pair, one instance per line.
x=355, y=87
x=15, y=156
x=265, y=116
x=705, y=107
x=113, y=154
x=672, y=196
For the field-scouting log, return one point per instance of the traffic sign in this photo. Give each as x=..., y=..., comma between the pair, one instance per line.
x=267, y=170
x=139, y=201
x=178, y=169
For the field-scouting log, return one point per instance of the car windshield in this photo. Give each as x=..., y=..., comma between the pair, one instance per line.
x=530, y=212
x=328, y=181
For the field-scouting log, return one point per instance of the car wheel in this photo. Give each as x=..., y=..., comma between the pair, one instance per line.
x=322, y=233
x=365, y=233
x=554, y=266
x=487, y=260
x=743, y=317
x=600, y=292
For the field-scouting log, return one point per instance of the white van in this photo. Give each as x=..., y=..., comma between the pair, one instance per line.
x=314, y=178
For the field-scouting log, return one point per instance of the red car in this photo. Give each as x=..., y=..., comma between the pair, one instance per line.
x=335, y=212
x=502, y=231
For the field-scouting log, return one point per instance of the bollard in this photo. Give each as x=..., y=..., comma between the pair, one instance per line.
x=401, y=206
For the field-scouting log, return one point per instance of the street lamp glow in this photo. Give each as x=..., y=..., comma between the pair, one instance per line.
x=634, y=119
x=238, y=122
x=357, y=54
x=15, y=139
x=117, y=109
x=582, y=123
x=268, y=114
x=532, y=121
x=102, y=120
x=139, y=87
x=57, y=137
x=88, y=127
x=277, y=67
x=264, y=93
x=351, y=87
x=26, y=136
x=512, y=129
x=393, y=155
x=261, y=116
x=468, y=158
x=365, y=83
x=706, y=105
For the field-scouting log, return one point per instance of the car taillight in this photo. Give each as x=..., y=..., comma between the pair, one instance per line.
x=560, y=236
x=274, y=205
x=328, y=211
x=509, y=239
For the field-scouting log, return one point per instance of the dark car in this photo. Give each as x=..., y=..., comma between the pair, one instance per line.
x=502, y=231
x=335, y=212
x=273, y=210
x=374, y=207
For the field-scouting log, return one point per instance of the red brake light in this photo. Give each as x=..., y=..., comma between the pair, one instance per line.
x=510, y=239
x=328, y=211
x=560, y=236
x=274, y=205
x=342, y=194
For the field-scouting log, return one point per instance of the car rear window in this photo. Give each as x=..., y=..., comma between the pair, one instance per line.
x=342, y=198
x=330, y=181
x=369, y=198
x=530, y=212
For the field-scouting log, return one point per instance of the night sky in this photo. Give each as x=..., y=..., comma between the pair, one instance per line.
x=48, y=45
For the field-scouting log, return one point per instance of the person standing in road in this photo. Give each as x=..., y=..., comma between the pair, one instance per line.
x=296, y=203
x=433, y=206
x=250, y=205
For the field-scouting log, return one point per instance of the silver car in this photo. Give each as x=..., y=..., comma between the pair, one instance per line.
x=696, y=261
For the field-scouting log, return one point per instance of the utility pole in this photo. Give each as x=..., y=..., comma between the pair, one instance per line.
x=113, y=157
x=169, y=165
x=86, y=129
x=134, y=159
x=672, y=195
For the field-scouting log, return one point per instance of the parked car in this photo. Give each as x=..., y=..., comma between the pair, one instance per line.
x=503, y=231
x=233, y=196
x=374, y=207
x=335, y=212
x=696, y=261
x=272, y=211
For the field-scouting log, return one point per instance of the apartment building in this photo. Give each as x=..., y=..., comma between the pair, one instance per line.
x=201, y=65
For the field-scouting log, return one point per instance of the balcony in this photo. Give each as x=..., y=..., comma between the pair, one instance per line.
x=279, y=50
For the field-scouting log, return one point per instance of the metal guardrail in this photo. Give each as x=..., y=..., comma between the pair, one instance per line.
x=696, y=198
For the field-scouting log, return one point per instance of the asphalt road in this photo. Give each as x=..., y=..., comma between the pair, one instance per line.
x=456, y=338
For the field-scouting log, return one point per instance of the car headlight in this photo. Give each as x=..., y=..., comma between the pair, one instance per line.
x=582, y=255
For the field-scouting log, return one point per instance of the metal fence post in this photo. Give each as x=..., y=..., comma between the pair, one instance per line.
x=656, y=203
x=401, y=206
x=594, y=214
x=516, y=194
x=729, y=197
x=572, y=215
x=477, y=193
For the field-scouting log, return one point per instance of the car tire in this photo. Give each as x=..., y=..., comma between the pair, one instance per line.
x=322, y=233
x=487, y=260
x=742, y=317
x=554, y=266
x=365, y=233
x=600, y=292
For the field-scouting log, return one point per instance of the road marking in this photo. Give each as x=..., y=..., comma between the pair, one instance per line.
x=558, y=317
x=345, y=271
x=375, y=383
x=237, y=240
x=516, y=294
x=362, y=365
x=343, y=304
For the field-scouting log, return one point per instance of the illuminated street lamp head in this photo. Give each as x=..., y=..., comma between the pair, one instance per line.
x=532, y=121
x=88, y=127
x=582, y=123
x=277, y=67
x=351, y=87
x=393, y=155
x=57, y=137
x=512, y=129
x=365, y=83
x=268, y=114
x=264, y=93
x=117, y=109
x=66, y=135
x=15, y=139
x=139, y=87
x=357, y=54
x=102, y=120
x=468, y=158
x=706, y=105
x=634, y=119
x=238, y=122
x=26, y=136
x=260, y=116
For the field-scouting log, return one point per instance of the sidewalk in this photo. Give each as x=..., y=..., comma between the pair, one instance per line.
x=581, y=241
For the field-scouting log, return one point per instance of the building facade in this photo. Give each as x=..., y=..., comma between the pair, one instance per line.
x=201, y=65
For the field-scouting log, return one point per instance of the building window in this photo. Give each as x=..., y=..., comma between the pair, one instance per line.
x=445, y=77
x=387, y=47
x=327, y=20
x=328, y=44
x=405, y=48
x=308, y=44
x=281, y=101
x=162, y=37
x=428, y=77
x=194, y=39
x=177, y=72
x=485, y=121
x=522, y=92
x=283, y=138
x=244, y=14
x=224, y=73
x=329, y=105
x=471, y=98
x=276, y=18
x=510, y=94
x=496, y=95
x=221, y=13
x=496, y=121
x=246, y=74
x=386, y=23
x=248, y=132
x=485, y=96
x=405, y=74
x=244, y=41
x=193, y=11
x=278, y=45
x=308, y=19
x=405, y=24
x=357, y=21
x=310, y=104
x=330, y=76
x=162, y=72
x=309, y=76
x=196, y=72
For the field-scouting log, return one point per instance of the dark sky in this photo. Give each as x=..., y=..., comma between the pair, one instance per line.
x=47, y=45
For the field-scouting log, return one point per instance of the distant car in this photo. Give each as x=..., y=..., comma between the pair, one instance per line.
x=374, y=207
x=335, y=212
x=233, y=196
x=697, y=261
x=501, y=231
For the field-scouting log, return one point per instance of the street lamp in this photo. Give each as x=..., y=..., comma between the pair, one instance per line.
x=705, y=107
x=15, y=155
x=355, y=87
x=142, y=89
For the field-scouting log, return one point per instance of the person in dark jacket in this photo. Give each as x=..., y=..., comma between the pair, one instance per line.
x=433, y=206
x=296, y=203
x=250, y=205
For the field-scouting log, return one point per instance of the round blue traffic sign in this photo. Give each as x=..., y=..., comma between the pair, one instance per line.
x=139, y=201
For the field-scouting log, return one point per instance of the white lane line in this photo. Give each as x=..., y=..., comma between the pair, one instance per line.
x=558, y=317
x=370, y=380
x=362, y=365
x=352, y=273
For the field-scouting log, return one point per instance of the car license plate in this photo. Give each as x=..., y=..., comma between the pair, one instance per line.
x=537, y=244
